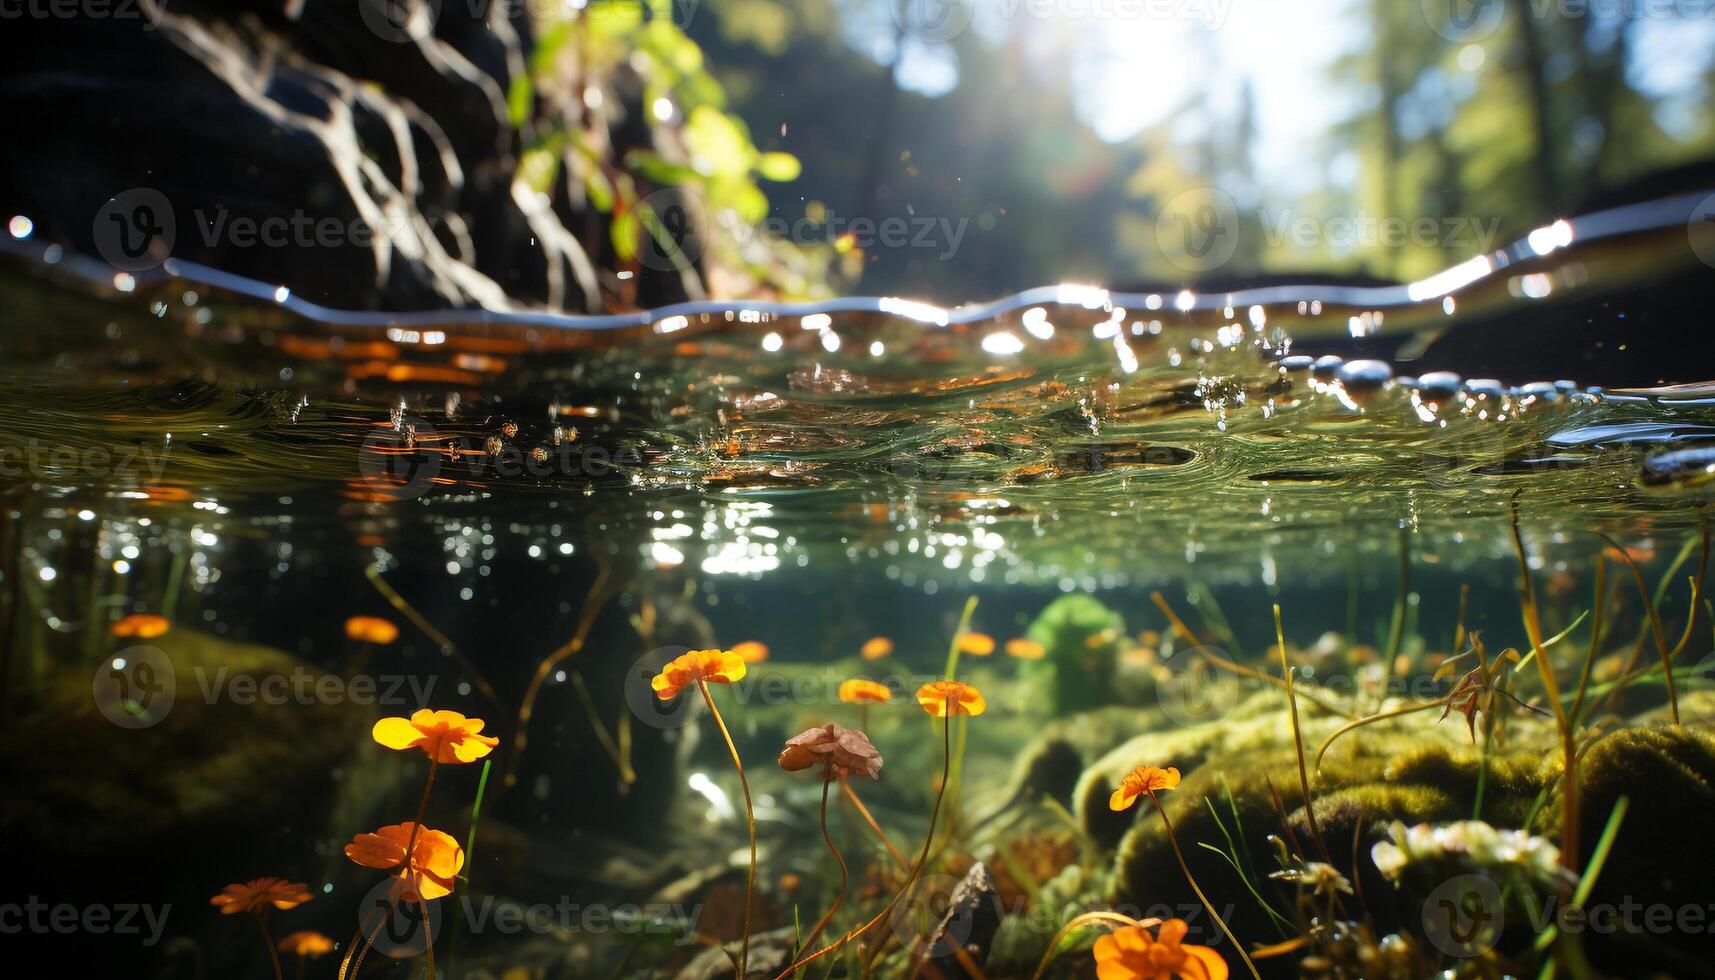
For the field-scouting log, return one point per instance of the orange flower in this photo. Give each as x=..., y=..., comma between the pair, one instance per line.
x=371, y=629
x=1143, y=779
x=976, y=644
x=142, y=626
x=435, y=857
x=445, y=736
x=859, y=691
x=944, y=698
x=751, y=652
x=258, y=893
x=1132, y=953
x=1025, y=649
x=306, y=944
x=875, y=648
x=714, y=666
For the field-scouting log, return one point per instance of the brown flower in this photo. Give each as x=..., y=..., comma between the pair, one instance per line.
x=845, y=751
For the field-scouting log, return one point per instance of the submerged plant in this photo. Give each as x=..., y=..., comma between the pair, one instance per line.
x=256, y=897
x=842, y=753
x=976, y=644
x=864, y=693
x=875, y=648
x=306, y=945
x=1131, y=953
x=945, y=699
x=371, y=629
x=1147, y=781
x=751, y=652
x=422, y=856
x=140, y=626
x=701, y=668
x=1071, y=674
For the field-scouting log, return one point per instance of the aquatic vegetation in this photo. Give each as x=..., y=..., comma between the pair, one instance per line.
x=306, y=945
x=1470, y=842
x=1071, y=675
x=751, y=652
x=946, y=700
x=976, y=644
x=256, y=897
x=1131, y=953
x=702, y=668
x=861, y=691
x=444, y=736
x=371, y=629
x=1024, y=648
x=1147, y=781
x=140, y=626
x=875, y=648
x=951, y=699
x=427, y=860
x=841, y=752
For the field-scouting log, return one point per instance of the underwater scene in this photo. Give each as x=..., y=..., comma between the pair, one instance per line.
x=454, y=522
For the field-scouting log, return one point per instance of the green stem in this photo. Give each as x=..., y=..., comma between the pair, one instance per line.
x=750, y=826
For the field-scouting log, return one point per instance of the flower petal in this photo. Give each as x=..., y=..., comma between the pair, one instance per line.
x=396, y=733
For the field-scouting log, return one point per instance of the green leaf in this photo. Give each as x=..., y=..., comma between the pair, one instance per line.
x=623, y=232
x=718, y=145
x=779, y=167
x=518, y=99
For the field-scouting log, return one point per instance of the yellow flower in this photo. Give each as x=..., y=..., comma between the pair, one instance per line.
x=141, y=626
x=307, y=944
x=1132, y=953
x=371, y=629
x=712, y=666
x=435, y=857
x=751, y=652
x=976, y=644
x=1024, y=649
x=1143, y=779
x=876, y=647
x=257, y=893
x=858, y=691
x=942, y=699
x=445, y=736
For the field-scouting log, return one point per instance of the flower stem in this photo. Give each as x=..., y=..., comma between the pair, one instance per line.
x=870, y=819
x=1200, y=896
x=268, y=942
x=827, y=781
x=422, y=809
x=750, y=824
x=934, y=816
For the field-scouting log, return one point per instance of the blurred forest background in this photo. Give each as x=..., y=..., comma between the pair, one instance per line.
x=1070, y=136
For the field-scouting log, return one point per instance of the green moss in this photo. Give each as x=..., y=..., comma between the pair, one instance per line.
x=1080, y=639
